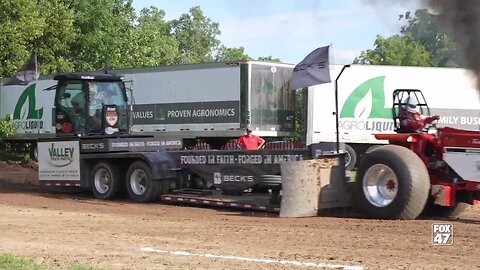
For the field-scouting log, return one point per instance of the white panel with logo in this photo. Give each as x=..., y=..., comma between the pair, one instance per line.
x=365, y=100
x=30, y=107
x=59, y=161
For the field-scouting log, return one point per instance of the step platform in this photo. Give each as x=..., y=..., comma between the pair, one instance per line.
x=215, y=198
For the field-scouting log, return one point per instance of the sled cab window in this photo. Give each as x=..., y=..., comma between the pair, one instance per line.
x=70, y=107
x=106, y=93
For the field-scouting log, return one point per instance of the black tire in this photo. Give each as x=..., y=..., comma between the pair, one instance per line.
x=434, y=210
x=105, y=180
x=409, y=176
x=270, y=181
x=34, y=152
x=140, y=186
x=372, y=148
x=350, y=158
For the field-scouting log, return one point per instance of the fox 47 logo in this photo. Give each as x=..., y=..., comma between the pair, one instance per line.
x=442, y=234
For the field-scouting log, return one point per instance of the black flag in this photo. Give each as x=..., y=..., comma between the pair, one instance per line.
x=313, y=70
x=27, y=73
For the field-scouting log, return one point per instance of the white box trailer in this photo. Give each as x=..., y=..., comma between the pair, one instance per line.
x=214, y=100
x=365, y=102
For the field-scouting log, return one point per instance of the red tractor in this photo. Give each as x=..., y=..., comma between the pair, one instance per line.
x=433, y=172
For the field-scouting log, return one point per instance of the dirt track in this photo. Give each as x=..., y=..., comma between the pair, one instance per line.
x=62, y=228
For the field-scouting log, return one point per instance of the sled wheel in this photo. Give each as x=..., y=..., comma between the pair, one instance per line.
x=350, y=158
x=105, y=180
x=392, y=183
x=140, y=186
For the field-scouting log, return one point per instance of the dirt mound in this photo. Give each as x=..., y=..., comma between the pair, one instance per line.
x=29, y=164
x=12, y=172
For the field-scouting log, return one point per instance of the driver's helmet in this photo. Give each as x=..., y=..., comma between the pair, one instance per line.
x=411, y=104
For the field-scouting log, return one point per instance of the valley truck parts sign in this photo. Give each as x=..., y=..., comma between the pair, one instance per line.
x=60, y=161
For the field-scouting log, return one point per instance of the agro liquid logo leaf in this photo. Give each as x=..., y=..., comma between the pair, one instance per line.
x=31, y=113
x=367, y=101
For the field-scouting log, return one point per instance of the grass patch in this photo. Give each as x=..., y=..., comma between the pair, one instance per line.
x=18, y=263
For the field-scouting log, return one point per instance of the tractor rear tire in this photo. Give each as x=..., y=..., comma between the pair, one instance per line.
x=392, y=182
x=140, y=186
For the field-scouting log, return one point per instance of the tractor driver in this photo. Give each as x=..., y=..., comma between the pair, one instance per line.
x=411, y=120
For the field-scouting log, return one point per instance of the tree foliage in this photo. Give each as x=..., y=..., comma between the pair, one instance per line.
x=231, y=54
x=421, y=42
x=80, y=35
x=6, y=128
x=152, y=43
x=196, y=35
x=269, y=59
x=425, y=29
x=396, y=50
x=20, y=25
x=57, y=37
x=100, y=28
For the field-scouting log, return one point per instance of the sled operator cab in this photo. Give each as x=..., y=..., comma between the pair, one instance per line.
x=90, y=104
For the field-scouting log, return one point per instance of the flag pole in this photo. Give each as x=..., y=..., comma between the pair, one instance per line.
x=36, y=68
x=337, y=124
x=36, y=86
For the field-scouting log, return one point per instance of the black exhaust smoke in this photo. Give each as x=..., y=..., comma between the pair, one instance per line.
x=461, y=19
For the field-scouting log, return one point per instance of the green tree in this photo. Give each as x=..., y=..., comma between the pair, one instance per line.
x=20, y=24
x=396, y=50
x=80, y=35
x=53, y=45
x=425, y=29
x=152, y=44
x=231, y=54
x=196, y=35
x=102, y=28
x=269, y=59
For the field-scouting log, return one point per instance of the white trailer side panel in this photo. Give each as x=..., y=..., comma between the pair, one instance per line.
x=29, y=107
x=365, y=100
x=194, y=100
